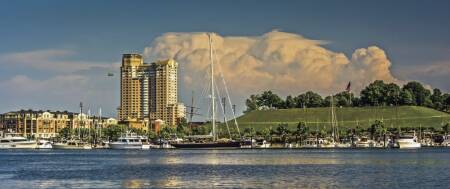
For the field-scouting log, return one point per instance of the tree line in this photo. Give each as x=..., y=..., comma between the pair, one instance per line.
x=376, y=93
x=377, y=131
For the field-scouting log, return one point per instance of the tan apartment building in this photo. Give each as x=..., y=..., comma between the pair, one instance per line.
x=131, y=86
x=148, y=91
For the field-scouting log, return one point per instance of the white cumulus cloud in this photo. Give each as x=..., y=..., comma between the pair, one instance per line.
x=284, y=62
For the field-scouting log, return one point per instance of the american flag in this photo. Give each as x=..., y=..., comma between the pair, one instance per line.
x=348, y=88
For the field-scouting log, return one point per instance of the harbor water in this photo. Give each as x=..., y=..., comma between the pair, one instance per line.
x=246, y=168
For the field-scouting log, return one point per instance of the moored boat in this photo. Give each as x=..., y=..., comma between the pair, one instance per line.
x=11, y=141
x=44, y=144
x=365, y=142
x=72, y=145
x=207, y=145
x=408, y=142
x=130, y=141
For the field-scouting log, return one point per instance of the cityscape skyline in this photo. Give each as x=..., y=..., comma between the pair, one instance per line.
x=56, y=57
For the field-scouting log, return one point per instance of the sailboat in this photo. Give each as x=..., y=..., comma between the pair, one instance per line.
x=215, y=143
x=76, y=144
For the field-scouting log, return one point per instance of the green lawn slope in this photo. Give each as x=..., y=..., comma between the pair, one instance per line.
x=348, y=117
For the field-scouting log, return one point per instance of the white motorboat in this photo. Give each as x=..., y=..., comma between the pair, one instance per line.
x=365, y=142
x=72, y=144
x=312, y=143
x=130, y=141
x=44, y=144
x=328, y=143
x=262, y=144
x=408, y=142
x=19, y=142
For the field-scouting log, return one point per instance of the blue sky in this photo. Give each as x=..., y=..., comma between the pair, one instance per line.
x=414, y=34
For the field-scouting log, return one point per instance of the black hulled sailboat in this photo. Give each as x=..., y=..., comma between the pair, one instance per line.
x=215, y=143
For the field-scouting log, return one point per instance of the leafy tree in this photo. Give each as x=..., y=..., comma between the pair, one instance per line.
x=266, y=133
x=446, y=102
x=302, y=131
x=249, y=132
x=282, y=131
x=200, y=130
x=393, y=92
x=308, y=99
x=342, y=99
x=407, y=98
x=326, y=101
x=289, y=102
x=151, y=135
x=182, y=127
x=373, y=94
x=446, y=128
x=419, y=92
x=113, y=132
x=252, y=103
x=64, y=133
x=166, y=132
x=437, y=99
x=356, y=101
x=270, y=99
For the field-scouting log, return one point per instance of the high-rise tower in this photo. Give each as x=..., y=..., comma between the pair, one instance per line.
x=132, y=85
x=149, y=91
x=163, y=91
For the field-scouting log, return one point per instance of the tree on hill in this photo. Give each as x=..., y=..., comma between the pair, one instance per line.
x=437, y=99
x=342, y=99
x=308, y=100
x=376, y=93
x=407, y=98
x=446, y=102
x=289, y=102
x=373, y=94
x=252, y=103
x=270, y=99
x=420, y=94
x=392, y=92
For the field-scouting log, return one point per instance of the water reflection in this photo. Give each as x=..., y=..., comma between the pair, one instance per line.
x=225, y=168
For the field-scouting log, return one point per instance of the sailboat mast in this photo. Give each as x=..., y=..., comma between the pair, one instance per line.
x=213, y=111
x=332, y=118
x=80, y=121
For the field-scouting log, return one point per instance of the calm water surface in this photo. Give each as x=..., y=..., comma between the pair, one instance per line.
x=349, y=168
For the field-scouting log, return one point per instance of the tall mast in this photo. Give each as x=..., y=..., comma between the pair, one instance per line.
x=80, y=120
x=213, y=118
x=332, y=119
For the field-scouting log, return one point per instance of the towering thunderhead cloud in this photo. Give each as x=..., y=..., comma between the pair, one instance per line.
x=284, y=62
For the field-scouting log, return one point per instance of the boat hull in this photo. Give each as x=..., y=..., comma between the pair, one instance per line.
x=125, y=146
x=408, y=145
x=19, y=145
x=71, y=147
x=212, y=145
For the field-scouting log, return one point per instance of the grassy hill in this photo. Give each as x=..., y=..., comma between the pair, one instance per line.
x=403, y=116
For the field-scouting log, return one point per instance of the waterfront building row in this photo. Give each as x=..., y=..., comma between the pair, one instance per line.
x=47, y=124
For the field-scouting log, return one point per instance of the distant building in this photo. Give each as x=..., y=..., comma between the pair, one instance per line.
x=149, y=92
x=47, y=124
